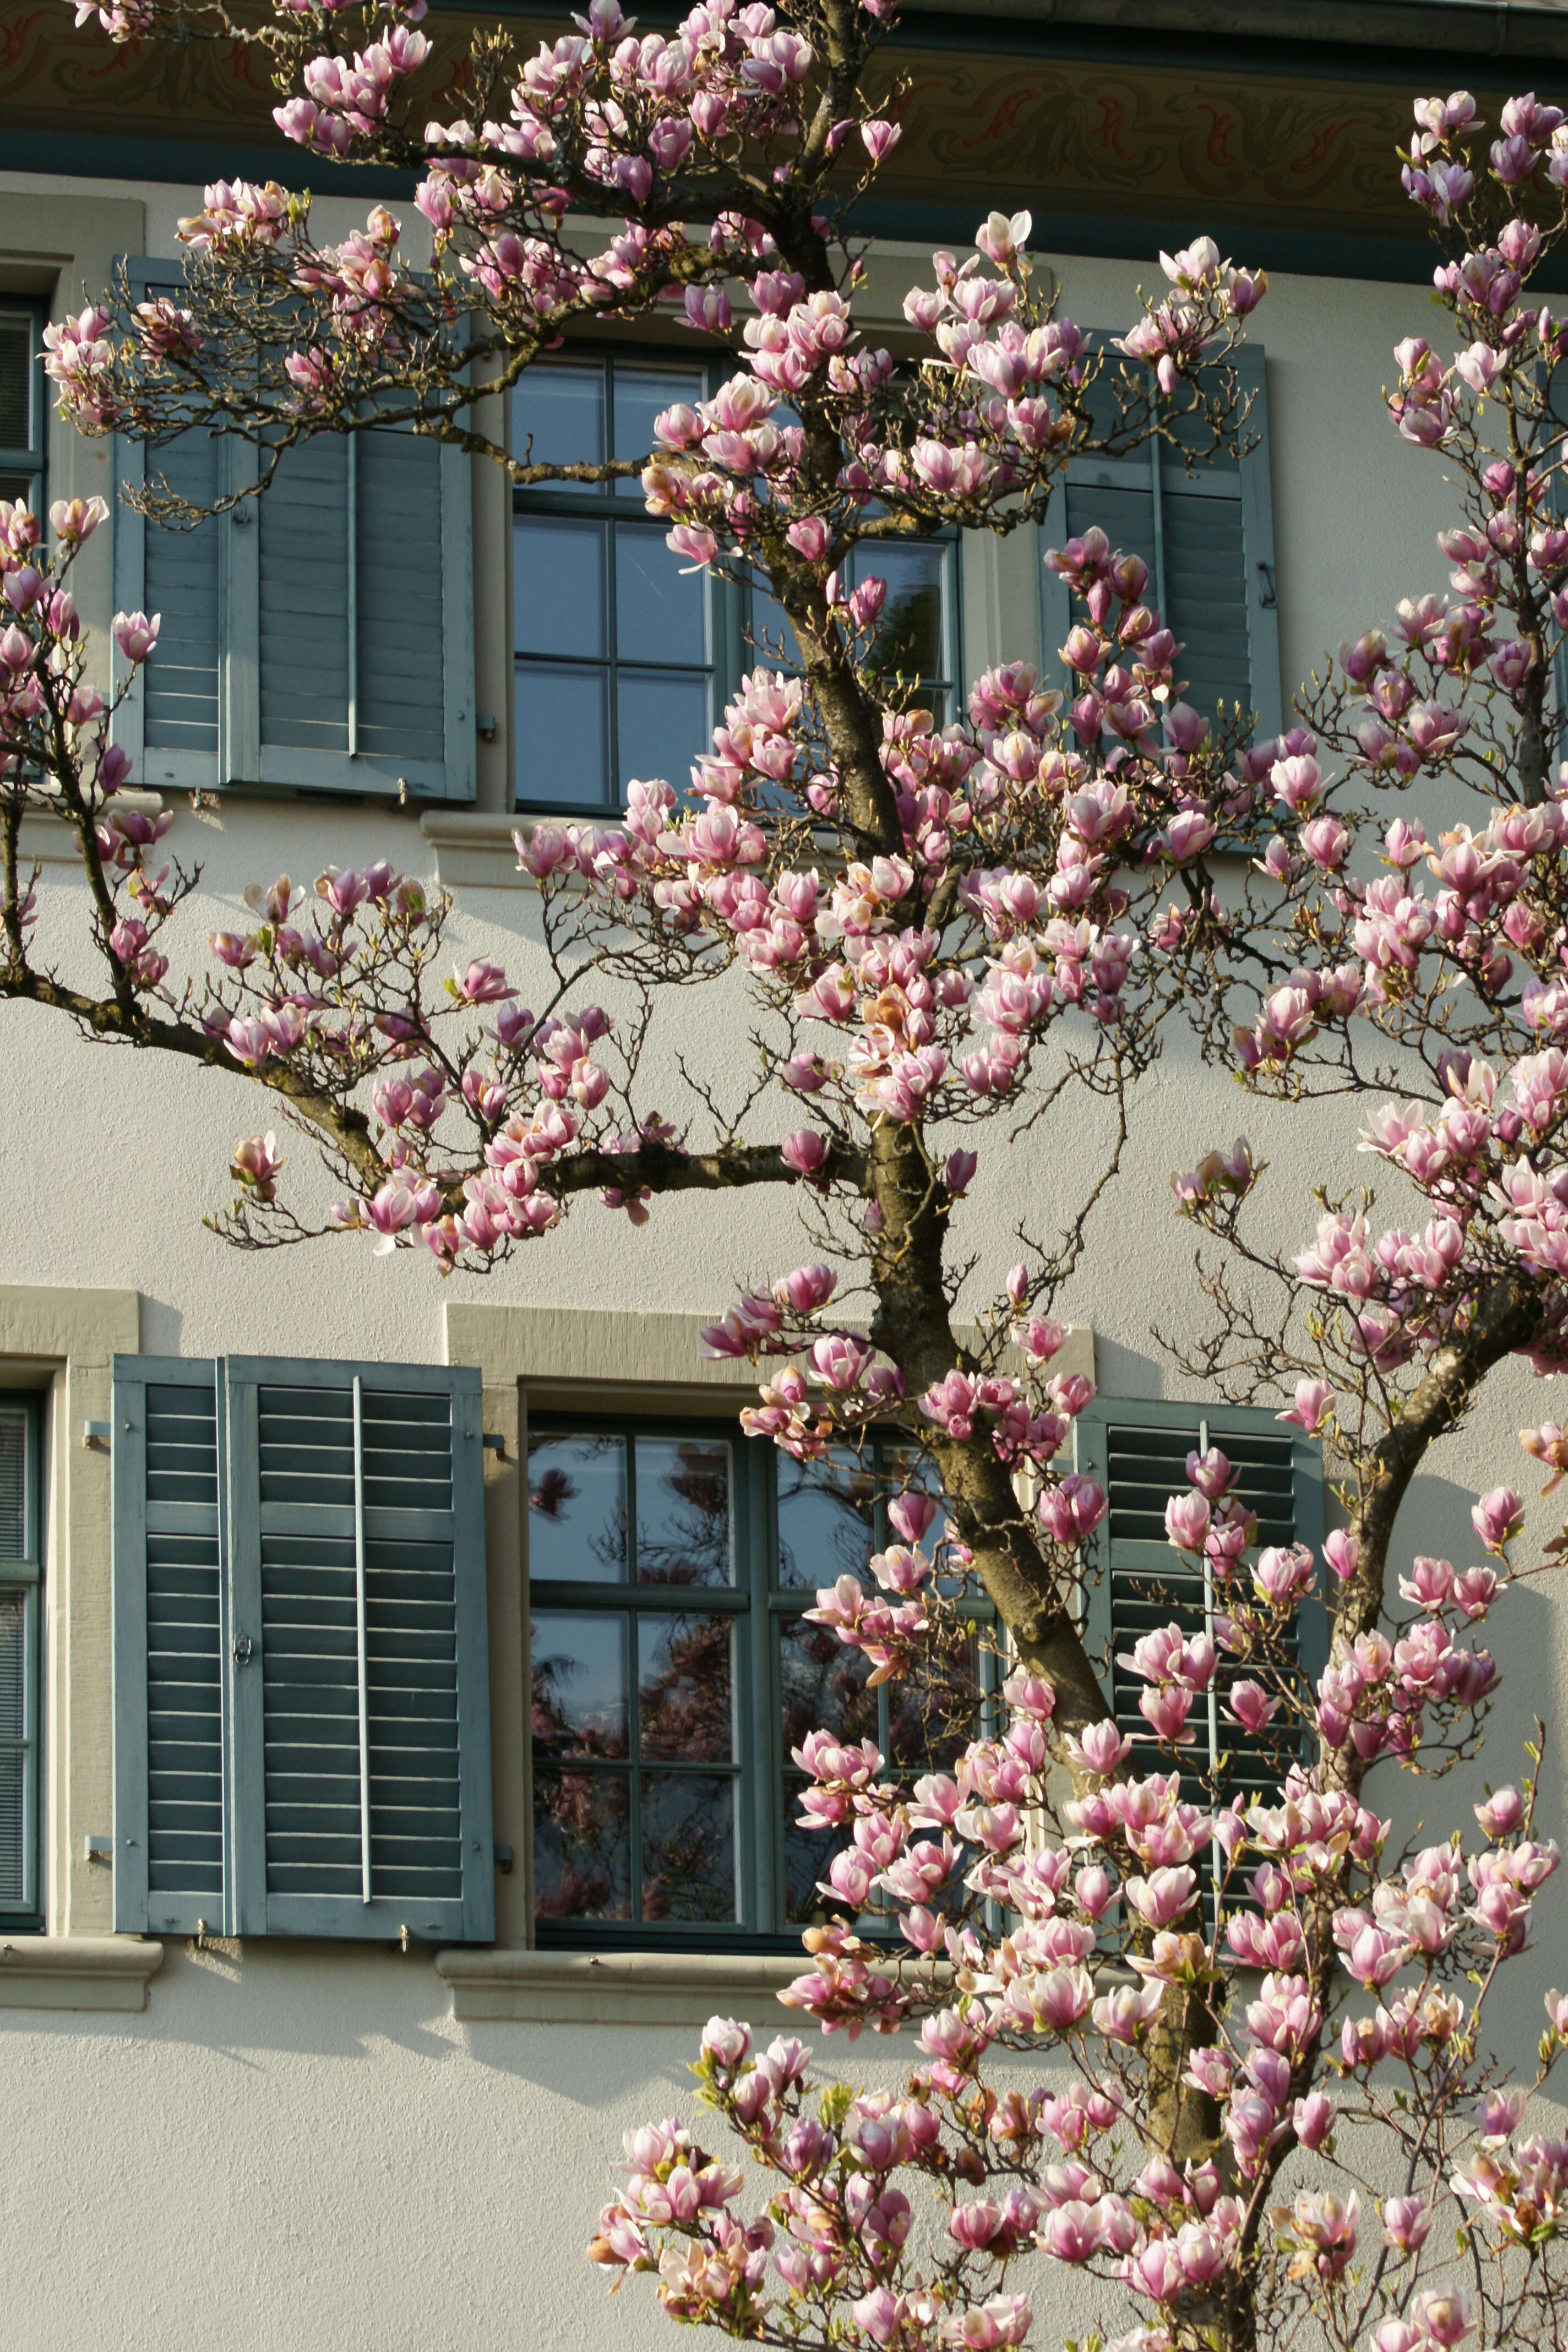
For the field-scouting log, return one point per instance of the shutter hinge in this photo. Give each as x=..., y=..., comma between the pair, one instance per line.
x=494, y=1441
x=96, y=1432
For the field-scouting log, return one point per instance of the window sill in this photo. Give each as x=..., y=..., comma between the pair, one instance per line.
x=102, y=1972
x=475, y=846
x=46, y=837
x=618, y=1987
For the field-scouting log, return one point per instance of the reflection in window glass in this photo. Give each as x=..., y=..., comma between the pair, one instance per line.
x=683, y=1512
x=577, y=1509
x=613, y=636
x=687, y=1848
x=826, y=1519
x=686, y=1704
x=579, y=1669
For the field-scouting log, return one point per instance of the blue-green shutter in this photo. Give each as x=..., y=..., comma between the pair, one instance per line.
x=1136, y=1450
x=325, y=1553
x=169, y=1648
x=319, y=637
x=1208, y=539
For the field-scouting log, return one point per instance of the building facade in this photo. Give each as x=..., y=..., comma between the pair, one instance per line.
x=266, y=2070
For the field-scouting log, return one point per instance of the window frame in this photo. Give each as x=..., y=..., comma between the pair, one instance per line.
x=33, y=459
x=608, y=504
x=732, y=603
x=26, y=1577
x=1158, y=470
x=760, y=1603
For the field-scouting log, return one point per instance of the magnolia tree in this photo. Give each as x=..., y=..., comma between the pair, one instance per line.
x=1250, y=2025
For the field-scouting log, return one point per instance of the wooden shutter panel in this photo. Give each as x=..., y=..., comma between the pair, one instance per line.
x=171, y=721
x=1138, y=1453
x=169, y=1794
x=358, y=586
x=1208, y=539
x=358, y=1580
x=301, y=1672
x=321, y=638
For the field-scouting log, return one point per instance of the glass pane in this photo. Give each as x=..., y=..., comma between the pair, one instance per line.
x=579, y=1665
x=561, y=404
x=822, y=1685
x=13, y=1664
x=558, y=587
x=686, y=1710
x=773, y=641
x=17, y=486
x=581, y=1844
x=561, y=736
x=827, y=1519
x=687, y=1846
x=639, y=393
x=932, y=1717
x=806, y=1858
x=910, y=636
x=683, y=1511
x=662, y=726
x=16, y=381
x=12, y=1484
x=661, y=605
x=577, y=1509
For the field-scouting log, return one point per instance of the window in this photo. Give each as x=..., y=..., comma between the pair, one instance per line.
x=21, y=1597
x=916, y=638
x=301, y=1702
x=613, y=641
x=1137, y=1454
x=1208, y=539
x=674, y=1670
x=318, y=637
x=23, y=411
x=623, y=657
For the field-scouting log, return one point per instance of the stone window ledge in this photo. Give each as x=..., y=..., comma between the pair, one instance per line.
x=46, y=837
x=103, y=1973
x=618, y=1987
x=474, y=846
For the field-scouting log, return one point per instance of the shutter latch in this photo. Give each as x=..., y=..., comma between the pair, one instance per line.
x=242, y=1646
x=1269, y=600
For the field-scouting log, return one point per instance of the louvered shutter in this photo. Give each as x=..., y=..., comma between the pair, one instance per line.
x=355, y=1737
x=171, y=719
x=1138, y=1453
x=319, y=637
x=169, y=1649
x=1208, y=539
x=20, y=1598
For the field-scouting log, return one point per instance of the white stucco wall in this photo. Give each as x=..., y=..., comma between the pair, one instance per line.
x=301, y=2146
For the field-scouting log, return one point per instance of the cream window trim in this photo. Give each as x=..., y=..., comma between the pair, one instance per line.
x=60, y=1342
x=618, y=1987
x=47, y=837
x=101, y=1972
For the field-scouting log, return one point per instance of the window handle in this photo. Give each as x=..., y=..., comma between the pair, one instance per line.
x=1269, y=600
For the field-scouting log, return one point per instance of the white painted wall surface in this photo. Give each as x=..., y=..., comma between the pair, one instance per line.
x=300, y=2147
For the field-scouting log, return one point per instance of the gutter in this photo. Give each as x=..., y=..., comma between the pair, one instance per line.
x=1499, y=29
